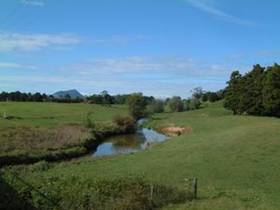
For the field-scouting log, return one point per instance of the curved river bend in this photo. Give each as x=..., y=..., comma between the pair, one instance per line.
x=125, y=144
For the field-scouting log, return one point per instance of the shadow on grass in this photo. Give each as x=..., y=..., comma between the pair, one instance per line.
x=158, y=118
x=10, y=199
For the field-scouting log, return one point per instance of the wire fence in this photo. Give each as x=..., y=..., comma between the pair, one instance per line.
x=31, y=188
x=156, y=193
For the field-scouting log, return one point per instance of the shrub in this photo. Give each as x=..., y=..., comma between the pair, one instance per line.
x=125, y=193
x=125, y=123
x=40, y=166
x=89, y=122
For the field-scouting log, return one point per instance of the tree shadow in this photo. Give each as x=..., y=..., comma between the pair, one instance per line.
x=10, y=199
x=159, y=118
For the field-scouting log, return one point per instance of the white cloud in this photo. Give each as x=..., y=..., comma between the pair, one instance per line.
x=8, y=65
x=158, y=76
x=37, y=3
x=28, y=42
x=219, y=13
x=151, y=66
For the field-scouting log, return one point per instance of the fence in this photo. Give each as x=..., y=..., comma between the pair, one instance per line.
x=15, y=177
x=158, y=195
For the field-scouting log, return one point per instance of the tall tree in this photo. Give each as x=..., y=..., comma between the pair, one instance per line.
x=233, y=92
x=251, y=99
x=136, y=105
x=175, y=104
x=271, y=91
x=197, y=92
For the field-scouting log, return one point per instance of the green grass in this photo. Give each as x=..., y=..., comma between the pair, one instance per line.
x=37, y=130
x=235, y=158
x=53, y=114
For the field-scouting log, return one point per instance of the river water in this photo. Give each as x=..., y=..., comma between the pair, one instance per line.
x=125, y=144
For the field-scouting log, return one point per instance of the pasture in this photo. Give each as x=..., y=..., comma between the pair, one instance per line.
x=38, y=129
x=235, y=159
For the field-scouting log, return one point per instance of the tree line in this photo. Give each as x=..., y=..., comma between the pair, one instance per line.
x=140, y=106
x=19, y=96
x=104, y=98
x=255, y=93
x=35, y=97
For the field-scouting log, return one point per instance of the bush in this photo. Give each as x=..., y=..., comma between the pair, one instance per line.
x=89, y=122
x=125, y=123
x=40, y=166
x=125, y=193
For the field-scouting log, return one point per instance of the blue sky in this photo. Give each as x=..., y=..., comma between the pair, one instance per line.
x=158, y=47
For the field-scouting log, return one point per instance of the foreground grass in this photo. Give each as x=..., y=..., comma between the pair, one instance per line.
x=235, y=159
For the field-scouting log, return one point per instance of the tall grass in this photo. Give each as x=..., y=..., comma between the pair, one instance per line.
x=127, y=193
x=30, y=144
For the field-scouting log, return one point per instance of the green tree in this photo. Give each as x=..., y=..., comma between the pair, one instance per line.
x=136, y=105
x=233, y=93
x=212, y=97
x=175, y=104
x=251, y=97
x=271, y=91
x=194, y=104
x=187, y=105
x=205, y=96
x=197, y=92
x=156, y=106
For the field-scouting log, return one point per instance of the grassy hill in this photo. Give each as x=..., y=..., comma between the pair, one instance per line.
x=235, y=158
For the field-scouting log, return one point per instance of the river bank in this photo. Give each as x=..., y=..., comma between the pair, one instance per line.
x=84, y=147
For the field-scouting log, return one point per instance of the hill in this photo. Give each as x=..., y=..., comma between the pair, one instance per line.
x=73, y=94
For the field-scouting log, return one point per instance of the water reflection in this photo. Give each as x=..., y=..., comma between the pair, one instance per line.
x=125, y=144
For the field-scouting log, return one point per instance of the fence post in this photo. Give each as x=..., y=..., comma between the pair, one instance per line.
x=152, y=193
x=194, y=186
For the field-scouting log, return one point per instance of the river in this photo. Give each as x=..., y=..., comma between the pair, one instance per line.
x=125, y=144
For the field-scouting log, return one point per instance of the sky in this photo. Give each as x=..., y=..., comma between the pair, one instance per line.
x=158, y=47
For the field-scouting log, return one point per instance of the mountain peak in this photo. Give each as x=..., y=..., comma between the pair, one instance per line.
x=64, y=94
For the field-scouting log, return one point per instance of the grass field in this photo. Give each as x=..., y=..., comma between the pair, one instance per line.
x=53, y=114
x=38, y=129
x=235, y=158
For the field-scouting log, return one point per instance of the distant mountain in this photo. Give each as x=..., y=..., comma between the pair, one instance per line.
x=73, y=94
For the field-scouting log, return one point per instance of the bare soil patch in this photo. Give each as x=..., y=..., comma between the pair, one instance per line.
x=173, y=130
